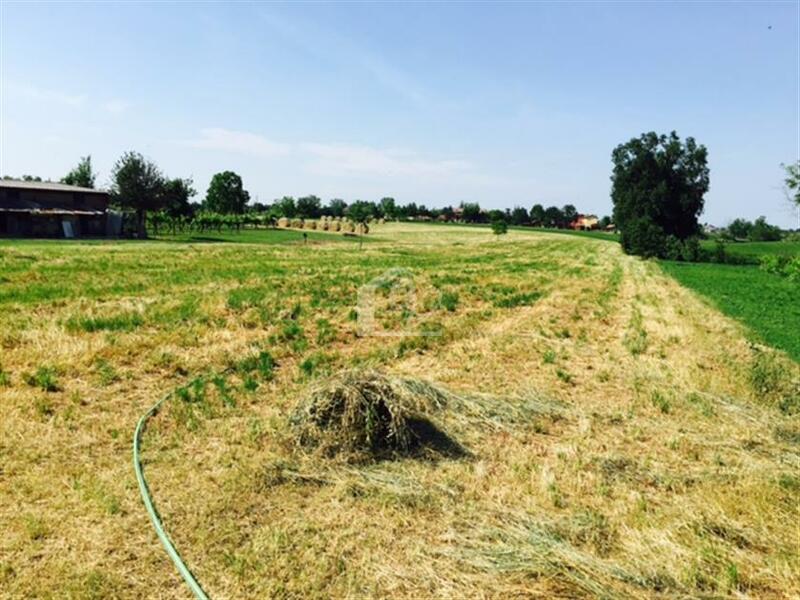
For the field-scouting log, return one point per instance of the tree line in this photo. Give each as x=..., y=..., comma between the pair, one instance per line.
x=139, y=186
x=658, y=188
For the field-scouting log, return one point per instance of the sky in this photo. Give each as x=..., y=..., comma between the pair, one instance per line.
x=498, y=103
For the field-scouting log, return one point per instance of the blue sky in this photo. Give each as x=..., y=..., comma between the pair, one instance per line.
x=504, y=104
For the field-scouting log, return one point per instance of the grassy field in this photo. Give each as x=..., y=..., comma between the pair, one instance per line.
x=620, y=436
x=753, y=251
x=598, y=235
x=768, y=304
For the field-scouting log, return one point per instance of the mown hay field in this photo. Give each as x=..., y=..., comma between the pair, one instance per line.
x=617, y=435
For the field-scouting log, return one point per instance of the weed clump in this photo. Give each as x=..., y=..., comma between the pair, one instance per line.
x=44, y=378
x=364, y=414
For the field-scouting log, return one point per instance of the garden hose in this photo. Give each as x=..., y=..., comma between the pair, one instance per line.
x=151, y=509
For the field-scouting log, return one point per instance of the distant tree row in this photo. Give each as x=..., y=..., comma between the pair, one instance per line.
x=755, y=231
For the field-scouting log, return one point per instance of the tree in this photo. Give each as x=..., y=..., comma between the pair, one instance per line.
x=175, y=197
x=82, y=175
x=761, y=231
x=740, y=228
x=471, y=212
x=137, y=184
x=309, y=207
x=388, y=208
x=497, y=215
x=568, y=214
x=792, y=182
x=519, y=216
x=553, y=217
x=285, y=207
x=604, y=222
x=499, y=226
x=226, y=194
x=658, y=184
x=537, y=214
x=360, y=213
x=337, y=207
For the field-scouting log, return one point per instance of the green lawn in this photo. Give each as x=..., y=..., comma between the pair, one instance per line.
x=768, y=304
x=752, y=251
x=600, y=235
x=245, y=236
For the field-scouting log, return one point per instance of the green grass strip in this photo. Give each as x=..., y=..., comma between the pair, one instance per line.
x=151, y=509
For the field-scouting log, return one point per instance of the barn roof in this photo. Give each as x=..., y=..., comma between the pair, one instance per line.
x=47, y=186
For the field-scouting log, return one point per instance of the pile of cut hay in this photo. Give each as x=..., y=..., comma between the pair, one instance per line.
x=364, y=414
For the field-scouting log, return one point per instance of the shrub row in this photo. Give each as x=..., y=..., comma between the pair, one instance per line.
x=785, y=266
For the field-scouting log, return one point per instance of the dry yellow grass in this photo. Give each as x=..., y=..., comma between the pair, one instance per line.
x=617, y=445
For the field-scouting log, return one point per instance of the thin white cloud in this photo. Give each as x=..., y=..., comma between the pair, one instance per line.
x=39, y=94
x=116, y=107
x=348, y=159
x=328, y=45
x=334, y=159
x=241, y=142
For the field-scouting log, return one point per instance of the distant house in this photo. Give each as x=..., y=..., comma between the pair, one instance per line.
x=584, y=222
x=46, y=209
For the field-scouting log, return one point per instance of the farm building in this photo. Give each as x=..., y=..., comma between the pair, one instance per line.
x=584, y=222
x=46, y=209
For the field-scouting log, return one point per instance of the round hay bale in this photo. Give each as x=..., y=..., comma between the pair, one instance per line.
x=283, y=222
x=311, y=224
x=362, y=228
x=361, y=414
x=381, y=221
x=348, y=227
x=297, y=223
x=324, y=225
x=335, y=226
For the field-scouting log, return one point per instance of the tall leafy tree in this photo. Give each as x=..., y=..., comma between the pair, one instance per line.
x=537, y=214
x=137, y=185
x=176, y=194
x=337, y=207
x=568, y=214
x=286, y=207
x=82, y=175
x=792, y=182
x=309, y=207
x=658, y=184
x=761, y=231
x=388, y=207
x=226, y=194
x=471, y=212
x=519, y=216
x=553, y=217
x=740, y=228
x=360, y=212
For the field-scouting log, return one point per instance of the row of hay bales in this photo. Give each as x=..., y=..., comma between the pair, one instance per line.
x=326, y=224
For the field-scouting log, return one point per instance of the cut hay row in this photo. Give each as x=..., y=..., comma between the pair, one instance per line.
x=327, y=224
